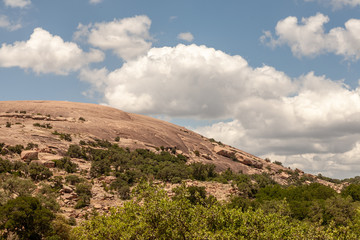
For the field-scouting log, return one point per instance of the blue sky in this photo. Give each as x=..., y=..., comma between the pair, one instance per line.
x=279, y=79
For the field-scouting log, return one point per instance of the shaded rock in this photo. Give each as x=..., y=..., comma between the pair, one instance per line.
x=49, y=164
x=225, y=153
x=66, y=189
x=29, y=155
x=206, y=157
x=251, y=163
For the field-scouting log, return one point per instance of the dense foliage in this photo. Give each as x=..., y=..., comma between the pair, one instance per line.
x=259, y=208
x=154, y=215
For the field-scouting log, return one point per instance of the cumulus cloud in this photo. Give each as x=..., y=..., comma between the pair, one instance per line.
x=191, y=81
x=337, y=4
x=128, y=38
x=46, y=53
x=186, y=36
x=95, y=1
x=309, y=38
x=7, y=24
x=17, y=3
x=269, y=113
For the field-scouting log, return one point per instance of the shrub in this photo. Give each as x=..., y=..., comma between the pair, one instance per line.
x=18, y=186
x=75, y=151
x=8, y=124
x=98, y=168
x=16, y=149
x=31, y=146
x=197, y=153
x=5, y=166
x=83, y=190
x=63, y=136
x=45, y=125
x=39, y=172
x=66, y=164
x=278, y=163
x=73, y=179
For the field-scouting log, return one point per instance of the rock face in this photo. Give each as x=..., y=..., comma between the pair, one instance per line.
x=83, y=121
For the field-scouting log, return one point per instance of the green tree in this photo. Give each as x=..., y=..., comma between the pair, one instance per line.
x=25, y=217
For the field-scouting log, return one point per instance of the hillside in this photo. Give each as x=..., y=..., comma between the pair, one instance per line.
x=82, y=159
x=91, y=121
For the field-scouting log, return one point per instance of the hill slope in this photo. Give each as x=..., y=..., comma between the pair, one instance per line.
x=90, y=121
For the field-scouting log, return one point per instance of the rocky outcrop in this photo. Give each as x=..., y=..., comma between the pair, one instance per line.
x=29, y=155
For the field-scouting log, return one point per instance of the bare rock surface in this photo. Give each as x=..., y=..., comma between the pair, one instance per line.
x=89, y=121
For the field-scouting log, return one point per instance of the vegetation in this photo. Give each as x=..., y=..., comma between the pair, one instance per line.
x=63, y=136
x=66, y=164
x=259, y=208
x=45, y=125
x=39, y=172
x=154, y=215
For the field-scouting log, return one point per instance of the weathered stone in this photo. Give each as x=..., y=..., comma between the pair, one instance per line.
x=29, y=155
x=206, y=157
x=97, y=206
x=49, y=164
x=251, y=163
x=225, y=153
x=66, y=189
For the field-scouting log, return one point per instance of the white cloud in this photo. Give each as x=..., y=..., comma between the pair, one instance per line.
x=17, y=3
x=7, y=24
x=190, y=81
x=128, y=38
x=95, y=1
x=309, y=37
x=186, y=36
x=309, y=117
x=337, y=4
x=46, y=53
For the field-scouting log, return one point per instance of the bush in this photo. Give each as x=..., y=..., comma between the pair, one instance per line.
x=19, y=186
x=39, y=172
x=203, y=172
x=278, y=163
x=73, y=179
x=45, y=125
x=83, y=190
x=5, y=166
x=31, y=146
x=99, y=168
x=66, y=164
x=63, y=136
x=75, y=151
x=352, y=190
x=16, y=149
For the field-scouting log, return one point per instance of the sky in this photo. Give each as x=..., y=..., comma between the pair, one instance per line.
x=278, y=79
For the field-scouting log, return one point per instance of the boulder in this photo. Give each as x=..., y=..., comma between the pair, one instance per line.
x=251, y=163
x=225, y=153
x=66, y=189
x=29, y=155
x=49, y=164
